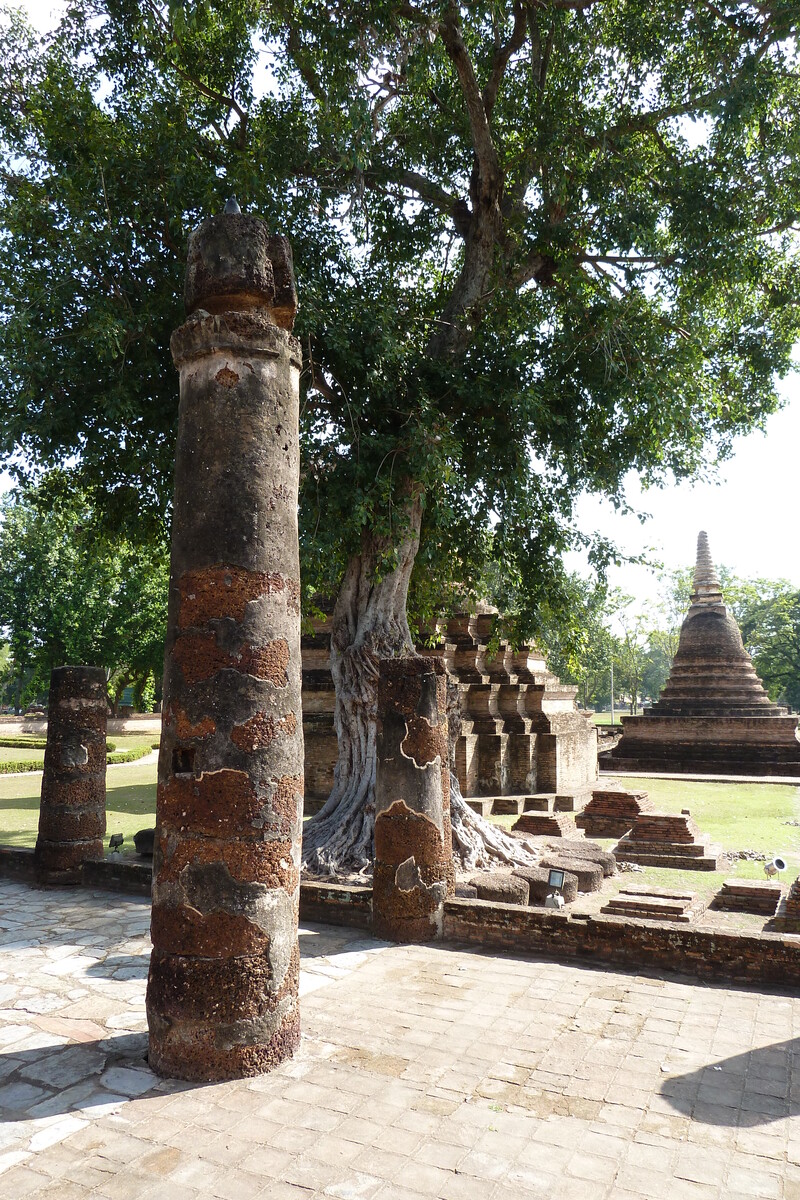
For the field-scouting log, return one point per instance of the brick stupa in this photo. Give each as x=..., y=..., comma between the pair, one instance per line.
x=713, y=716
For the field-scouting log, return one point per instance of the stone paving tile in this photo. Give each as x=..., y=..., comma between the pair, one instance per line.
x=424, y=1072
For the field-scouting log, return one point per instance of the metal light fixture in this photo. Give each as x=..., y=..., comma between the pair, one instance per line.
x=555, y=880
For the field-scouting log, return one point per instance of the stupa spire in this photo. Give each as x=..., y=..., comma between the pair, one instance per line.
x=706, y=582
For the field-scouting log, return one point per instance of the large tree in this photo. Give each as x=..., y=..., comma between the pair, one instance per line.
x=538, y=244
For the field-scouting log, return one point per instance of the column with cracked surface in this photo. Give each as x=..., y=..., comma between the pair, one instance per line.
x=72, y=811
x=413, y=840
x=222, y=993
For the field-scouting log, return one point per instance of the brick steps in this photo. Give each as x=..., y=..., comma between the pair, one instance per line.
x=666, y=827
x=748, y=895
x=668, y=840
x=547, y=825
x=709, y=861
x=687, y=849
x=656, y=904
x=611, y=812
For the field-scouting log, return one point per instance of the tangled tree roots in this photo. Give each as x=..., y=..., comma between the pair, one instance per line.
x=340, y=839
x=477, y=843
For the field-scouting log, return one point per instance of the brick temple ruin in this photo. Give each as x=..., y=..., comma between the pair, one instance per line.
x=713, y=716
x=521, y=731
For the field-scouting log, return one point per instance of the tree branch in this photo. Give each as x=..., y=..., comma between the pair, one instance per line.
x=426, y=189
x=483, y=145
x=502, y=56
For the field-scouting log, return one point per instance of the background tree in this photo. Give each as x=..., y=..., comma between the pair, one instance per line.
x=70, y=593
x=524, y=270
x=578, y=642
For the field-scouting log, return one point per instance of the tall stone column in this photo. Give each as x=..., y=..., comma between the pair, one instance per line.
x=72, y=812
x=222, y=995
x=413, y=839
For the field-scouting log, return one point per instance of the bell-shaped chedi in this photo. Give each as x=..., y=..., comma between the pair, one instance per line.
x=713, y=715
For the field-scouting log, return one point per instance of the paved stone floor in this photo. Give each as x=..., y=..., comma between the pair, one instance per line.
x=424, y=1072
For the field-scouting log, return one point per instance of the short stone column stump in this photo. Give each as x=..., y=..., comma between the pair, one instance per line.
x=413, y=871
x=72, y=812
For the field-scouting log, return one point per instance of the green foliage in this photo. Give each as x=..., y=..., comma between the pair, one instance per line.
x=126, y=756
x=70, y=593
x=536, y=246
x=771, y=629
x=22, y=765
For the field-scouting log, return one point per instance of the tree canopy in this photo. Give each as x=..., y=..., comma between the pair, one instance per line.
x=538, y=245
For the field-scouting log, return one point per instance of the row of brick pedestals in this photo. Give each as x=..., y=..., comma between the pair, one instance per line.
x=521, y=731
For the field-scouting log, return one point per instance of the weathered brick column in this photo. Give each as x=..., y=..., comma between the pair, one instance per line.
x=72, y=812
x=413, y=840
x=222, y=996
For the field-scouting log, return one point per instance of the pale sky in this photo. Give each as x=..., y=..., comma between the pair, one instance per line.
x=750, y=513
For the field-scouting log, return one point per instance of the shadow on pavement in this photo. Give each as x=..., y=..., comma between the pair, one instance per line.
x=749, y=1089
x=93, y=1077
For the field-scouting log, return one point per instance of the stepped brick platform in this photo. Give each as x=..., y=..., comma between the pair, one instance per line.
x=611, y=812
x=665, y=827
x=713, y=716
x=546, y=825
x=655, y=904
x=668, y=840
x=589, y=874
x=787, y=917
x=749, y=895
x=512, y=806
x=482, y=805
x=539, y=887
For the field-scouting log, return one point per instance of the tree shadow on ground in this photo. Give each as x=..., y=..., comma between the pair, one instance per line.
x=746, y=1090
x=87, y=1077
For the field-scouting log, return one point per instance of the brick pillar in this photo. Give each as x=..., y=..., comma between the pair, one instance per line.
x=72, y=812
x=413, y=839
x=222, y=995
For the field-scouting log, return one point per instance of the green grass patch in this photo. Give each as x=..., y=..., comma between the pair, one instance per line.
x=604, y=718
x=20, y=754
x=130, y=805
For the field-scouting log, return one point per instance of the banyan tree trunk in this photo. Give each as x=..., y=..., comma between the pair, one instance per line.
x=370, y=623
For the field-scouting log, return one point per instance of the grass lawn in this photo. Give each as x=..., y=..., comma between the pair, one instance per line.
x=604, y=718
x=130, y=803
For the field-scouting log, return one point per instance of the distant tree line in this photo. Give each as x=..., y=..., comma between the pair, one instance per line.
x=606, y=626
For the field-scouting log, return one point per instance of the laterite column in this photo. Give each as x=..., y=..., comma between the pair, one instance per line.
x=72, y=812
x=413, y=840
x=222, y=996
